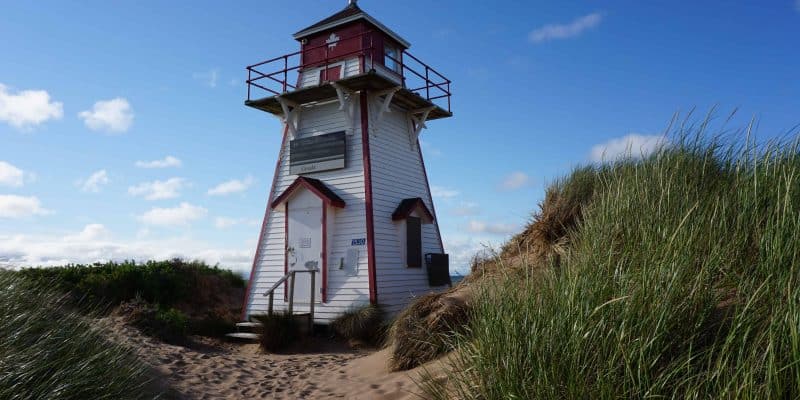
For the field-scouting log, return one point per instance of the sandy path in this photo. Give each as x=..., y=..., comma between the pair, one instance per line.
x=234, y=371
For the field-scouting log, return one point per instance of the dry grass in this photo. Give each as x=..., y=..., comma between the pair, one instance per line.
x=278, y=331
x=363, y=325
x=420, y=333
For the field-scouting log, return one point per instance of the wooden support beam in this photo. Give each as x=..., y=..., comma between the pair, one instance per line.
x=346, y=105
x=291, y=114
x=383, y=106
x=418, y=118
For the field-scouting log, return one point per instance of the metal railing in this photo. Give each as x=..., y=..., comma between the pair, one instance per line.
x=291, y=278
x=273, y=77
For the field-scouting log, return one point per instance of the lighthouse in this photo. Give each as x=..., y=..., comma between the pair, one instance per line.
x=350, y=219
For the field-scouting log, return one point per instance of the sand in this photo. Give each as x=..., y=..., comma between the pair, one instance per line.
x=217, y=370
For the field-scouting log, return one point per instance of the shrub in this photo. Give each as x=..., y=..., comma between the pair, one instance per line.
x=48, y=351
x=278, y=331
x=680, y=280
x=162, y=282
x=208, y=297
x=167, y=324
x=360, y=325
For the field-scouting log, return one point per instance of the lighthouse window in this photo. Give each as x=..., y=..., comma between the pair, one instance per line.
x=413, y=242
x=391, y=58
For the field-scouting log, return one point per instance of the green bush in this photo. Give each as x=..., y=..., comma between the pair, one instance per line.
x=50, y=352
x=176, y=297
x=681, y=280
x=158, y=282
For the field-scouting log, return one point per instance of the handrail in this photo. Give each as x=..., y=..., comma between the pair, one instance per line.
x=433, y=84
x=292, y=274
x=277, y=284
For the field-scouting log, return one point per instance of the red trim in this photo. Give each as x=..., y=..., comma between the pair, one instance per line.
x=373, y=286
x=286, y=252
x=314, y=186
x=324, y=253
x=263, y=226
x=428, y=185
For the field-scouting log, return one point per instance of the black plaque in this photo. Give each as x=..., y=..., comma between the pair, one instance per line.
x=317, y=153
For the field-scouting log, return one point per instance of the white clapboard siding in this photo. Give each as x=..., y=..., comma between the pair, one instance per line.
x=397, y=174
x=344, y=290
x=350, y=67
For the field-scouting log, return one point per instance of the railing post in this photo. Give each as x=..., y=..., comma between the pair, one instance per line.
x=427, y=85
x=249, y=77
x=285, y=72
x=311, y=307
x=271, y=297
x=291, y=293
x=448, y=96
x=402, y=68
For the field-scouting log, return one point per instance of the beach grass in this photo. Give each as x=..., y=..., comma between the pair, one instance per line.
x=681, y=279
x=50, y=351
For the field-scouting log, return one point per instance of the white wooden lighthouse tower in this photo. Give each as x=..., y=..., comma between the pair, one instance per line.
x=350, y=218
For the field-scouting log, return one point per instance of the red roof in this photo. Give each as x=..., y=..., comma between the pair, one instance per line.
x=315, y=186
x=352, y=9
x=350, y=13
x=408, y=206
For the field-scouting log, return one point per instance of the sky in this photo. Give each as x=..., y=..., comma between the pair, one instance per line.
x=123, y=133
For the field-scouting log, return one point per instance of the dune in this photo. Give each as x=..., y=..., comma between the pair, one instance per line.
x=211, y=369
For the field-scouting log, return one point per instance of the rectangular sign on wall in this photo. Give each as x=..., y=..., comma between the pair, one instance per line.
x=317, y=153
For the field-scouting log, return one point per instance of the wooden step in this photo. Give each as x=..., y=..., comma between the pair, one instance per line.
x=248, y=324
x=244, y=336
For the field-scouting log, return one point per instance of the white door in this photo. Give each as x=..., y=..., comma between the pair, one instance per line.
x=305, y=251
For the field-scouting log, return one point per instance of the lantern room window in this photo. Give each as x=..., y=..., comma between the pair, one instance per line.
x=391, y=58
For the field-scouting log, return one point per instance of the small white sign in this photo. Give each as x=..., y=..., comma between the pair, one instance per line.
x=305, y=242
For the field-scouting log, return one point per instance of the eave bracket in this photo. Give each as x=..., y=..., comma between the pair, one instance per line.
x=347, y=105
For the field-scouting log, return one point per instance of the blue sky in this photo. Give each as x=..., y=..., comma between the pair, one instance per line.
x=123, y=133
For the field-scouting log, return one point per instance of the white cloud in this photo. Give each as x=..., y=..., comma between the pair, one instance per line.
x=565, y=31
x=93, y=182
x=28, y=108
x=633, y=145
x=443, y=193
x=11, y=175
x=113, y=116
x=12, y=206
x=91, y=232
x=166, y=162
x=231, y=186
x=228, y=222
x=492, y=228
x=463, y=249
x=466, y=209
x=95, y=243
x=514, y=180
x=182, y=215
x=158, y=190
x=225, y=222
x=208, y=78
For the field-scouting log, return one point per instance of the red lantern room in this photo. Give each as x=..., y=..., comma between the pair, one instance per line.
x=356, y=51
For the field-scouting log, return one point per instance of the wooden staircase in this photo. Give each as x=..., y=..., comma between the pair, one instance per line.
x=248, y=330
